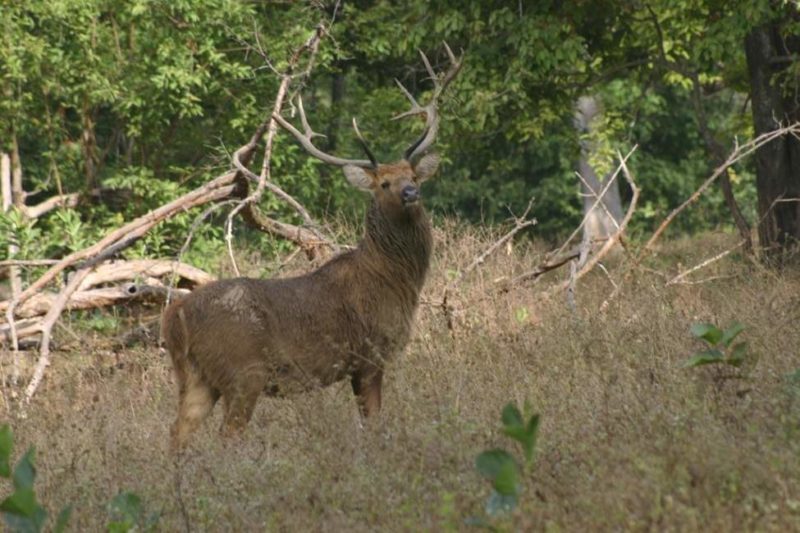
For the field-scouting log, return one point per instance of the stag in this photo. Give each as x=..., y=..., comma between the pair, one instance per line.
x=239, y=338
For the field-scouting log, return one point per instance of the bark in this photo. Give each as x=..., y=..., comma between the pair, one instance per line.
x=602, y=220
x=777, y=163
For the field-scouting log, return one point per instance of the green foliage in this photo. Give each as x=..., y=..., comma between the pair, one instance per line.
x=501, y=468
x=23, y=513
x=134, y=103
x=720, y=347
x=21, y=510
x=127, y=513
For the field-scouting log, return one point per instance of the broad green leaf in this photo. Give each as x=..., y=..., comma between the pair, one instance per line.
x=731, y=333
x=500, y=503
x=511, y=415
x=490, y=463
x=737, y=354
x=21, y=503
x=25, y=471
x=6, y=445
x=708, y=332
x=704, y=358
x=507, y=480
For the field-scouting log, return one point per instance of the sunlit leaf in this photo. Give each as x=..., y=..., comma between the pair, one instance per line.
x=708, y=332
x=731, y=333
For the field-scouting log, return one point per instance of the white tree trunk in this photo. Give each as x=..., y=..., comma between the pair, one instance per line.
x=603, y=220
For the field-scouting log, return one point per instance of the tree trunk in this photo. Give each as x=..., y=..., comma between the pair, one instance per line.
x=778, y=162
x=603, y=221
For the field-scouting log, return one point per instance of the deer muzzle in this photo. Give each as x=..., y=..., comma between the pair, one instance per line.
x=410, y=194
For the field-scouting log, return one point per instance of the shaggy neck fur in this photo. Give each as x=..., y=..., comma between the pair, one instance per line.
x=404, y=239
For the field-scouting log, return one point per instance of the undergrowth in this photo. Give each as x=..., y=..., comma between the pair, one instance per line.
x=629, y=437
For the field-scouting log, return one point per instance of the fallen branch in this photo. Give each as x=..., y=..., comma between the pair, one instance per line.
x=113, y=272
x=88, y=299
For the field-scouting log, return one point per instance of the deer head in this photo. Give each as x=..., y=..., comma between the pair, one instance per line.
x=395, y=187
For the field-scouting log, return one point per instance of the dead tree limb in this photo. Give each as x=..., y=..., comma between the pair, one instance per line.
x=308, y=237
x=735, y=156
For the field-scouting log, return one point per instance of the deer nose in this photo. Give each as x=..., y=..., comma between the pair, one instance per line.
x=410, y=194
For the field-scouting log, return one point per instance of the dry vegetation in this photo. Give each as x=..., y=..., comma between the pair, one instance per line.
x=629, y=439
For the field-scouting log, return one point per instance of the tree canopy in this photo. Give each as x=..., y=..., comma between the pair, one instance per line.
x=130, y=103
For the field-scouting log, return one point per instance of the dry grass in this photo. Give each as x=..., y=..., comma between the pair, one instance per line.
x=629, y=440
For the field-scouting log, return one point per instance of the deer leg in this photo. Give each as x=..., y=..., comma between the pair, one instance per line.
x=196, y=400
x=240, y=402
x=367, y=388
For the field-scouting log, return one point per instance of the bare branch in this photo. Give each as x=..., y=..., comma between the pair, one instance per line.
x=680, y=277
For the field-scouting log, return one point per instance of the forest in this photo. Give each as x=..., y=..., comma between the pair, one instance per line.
x=605, y=336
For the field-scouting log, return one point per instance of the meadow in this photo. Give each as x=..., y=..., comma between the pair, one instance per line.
x=630, y=439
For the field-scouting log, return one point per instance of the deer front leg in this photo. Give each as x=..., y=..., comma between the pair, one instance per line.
x=367, y=388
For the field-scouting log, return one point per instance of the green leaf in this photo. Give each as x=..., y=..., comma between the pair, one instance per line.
x=731, y=333
x=511, y=415
x=498, y=503
x=490, y=463
x=21, y=503
x=507, y=480
x=708, y=332
x=25, y=471
x=6, y=445
x=704, y=358
x=737, y=354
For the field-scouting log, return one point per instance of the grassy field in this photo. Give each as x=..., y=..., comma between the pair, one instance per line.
x=629, y=440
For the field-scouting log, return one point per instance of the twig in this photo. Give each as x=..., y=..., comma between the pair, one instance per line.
x=703, y=264
x=47, y=327
x=28, y=262
x=520, y=223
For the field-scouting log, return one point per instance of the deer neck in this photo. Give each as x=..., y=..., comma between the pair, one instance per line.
x=400, y=244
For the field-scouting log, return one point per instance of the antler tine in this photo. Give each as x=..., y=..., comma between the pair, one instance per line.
x=310, y=133
x=364, y=144
x=428, y=66
x=431, y=115
x=415, y=107
x=306, y=140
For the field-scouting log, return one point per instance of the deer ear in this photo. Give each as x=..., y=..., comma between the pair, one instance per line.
x=426, y=167
x=358, y=177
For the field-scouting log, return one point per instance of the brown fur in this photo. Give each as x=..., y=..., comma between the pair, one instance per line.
x=236, y=339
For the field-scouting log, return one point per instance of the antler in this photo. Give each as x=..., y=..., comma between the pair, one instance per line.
x=440, y=82
x=306, y=140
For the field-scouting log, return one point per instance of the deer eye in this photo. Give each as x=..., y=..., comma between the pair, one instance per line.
x=385, y=184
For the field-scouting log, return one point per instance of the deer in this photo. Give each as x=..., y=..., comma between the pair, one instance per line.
x=238, y=339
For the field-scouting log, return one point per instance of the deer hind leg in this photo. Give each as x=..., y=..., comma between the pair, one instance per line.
x=367, y=388
x=240, y=402
x=196, y=400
